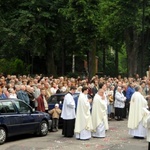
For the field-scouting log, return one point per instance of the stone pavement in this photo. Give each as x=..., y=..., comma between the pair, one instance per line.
x=117, y=139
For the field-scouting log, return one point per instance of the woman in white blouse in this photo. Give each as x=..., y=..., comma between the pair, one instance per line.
x=119, y=103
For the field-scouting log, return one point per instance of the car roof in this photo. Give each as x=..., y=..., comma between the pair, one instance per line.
x=59, y=94
x=9, y=99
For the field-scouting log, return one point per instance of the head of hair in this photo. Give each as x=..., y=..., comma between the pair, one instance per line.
x=84, y=88
x=73, y=88
x=101, y=85
x=137, y=88
x=142, y=82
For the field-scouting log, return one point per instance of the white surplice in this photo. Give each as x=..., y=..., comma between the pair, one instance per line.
x=99, y=116
x=138, y=115
x=83, y=123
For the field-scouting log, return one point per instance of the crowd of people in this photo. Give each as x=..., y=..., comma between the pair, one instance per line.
x=101, y=99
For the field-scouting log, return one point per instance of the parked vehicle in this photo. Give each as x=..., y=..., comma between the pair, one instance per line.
x=17, y=117
x=59, y=98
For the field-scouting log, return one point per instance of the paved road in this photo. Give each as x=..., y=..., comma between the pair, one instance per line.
x=117, y=139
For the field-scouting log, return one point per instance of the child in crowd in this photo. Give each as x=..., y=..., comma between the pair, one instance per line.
x=55, y=112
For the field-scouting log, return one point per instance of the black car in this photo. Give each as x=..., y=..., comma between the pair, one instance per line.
x=17, y=117
x=59, y=98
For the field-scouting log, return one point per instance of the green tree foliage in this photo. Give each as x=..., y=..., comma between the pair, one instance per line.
x=126, y=21
x=123, y=61
x=85, y=18
x=13, y=66
x=42, y=31
x=54, y=30
x=33, y=26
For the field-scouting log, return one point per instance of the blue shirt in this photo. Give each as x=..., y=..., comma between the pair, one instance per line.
x=3, y=96
x=129, y=93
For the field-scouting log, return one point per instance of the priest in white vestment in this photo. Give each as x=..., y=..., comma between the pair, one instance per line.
x=148, y=132
x=99, y=115
x=83, y=123
x=68, y=113
x=138, y=114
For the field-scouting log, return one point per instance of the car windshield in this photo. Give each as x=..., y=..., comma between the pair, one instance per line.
x=22, y=107
x=56, y=99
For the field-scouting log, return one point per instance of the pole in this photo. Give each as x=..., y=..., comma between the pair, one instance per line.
x=73, y=63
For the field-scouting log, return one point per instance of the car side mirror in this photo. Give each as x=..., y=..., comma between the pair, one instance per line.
x=33, y=109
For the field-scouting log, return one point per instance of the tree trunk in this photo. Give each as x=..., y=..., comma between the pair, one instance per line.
x=92, y=59
x=132, y=48
x=50, y=64
x=144, y=52
x=63, y=59
x=116, y=62
x=51, y=67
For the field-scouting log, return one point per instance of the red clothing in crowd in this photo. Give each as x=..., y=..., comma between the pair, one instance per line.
x=40, y=102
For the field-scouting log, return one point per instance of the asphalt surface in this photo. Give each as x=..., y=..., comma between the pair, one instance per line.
x=117, y=138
